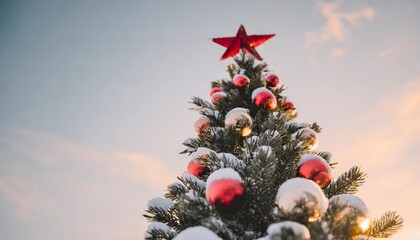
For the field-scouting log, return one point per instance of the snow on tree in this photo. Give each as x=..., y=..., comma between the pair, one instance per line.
x=255, y=173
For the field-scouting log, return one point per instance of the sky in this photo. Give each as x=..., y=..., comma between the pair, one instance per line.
x=94, y=101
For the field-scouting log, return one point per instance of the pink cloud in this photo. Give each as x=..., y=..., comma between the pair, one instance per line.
x=47, y=177
x=21, y=194
x=398, y=45
x=143, y=169
x=46, y=148
x=385, y=145
x=340, y=52
x=337, y=28
x=49, y=149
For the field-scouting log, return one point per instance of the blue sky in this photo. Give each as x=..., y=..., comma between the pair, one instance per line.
x=94, y=101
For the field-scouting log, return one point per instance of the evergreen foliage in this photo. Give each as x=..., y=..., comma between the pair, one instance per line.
x=386, y=225
x=266, y=160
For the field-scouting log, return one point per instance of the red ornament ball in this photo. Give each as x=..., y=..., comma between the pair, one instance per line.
x=215, y=90
x=217, y=96
x=201, y=124
x=288, y=106
x=225, y=193
x=262, y=97
x=315, y=168
x=241, y=81
x=273, y=81
x=197, y=168
x=224, y=189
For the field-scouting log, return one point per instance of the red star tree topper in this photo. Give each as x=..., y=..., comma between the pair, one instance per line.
x=242, y=41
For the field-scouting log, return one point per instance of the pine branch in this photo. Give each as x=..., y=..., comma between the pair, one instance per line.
x=219, y=227
x=252, y=70
x=386, y=225
x=158, y=215
x=314, y=126
x=175, y=190
x=260, y=189
x=342, y=222
x=288, y=160
x=191, y=210
x=348, y=182
x=159, y=234
x=201, y=103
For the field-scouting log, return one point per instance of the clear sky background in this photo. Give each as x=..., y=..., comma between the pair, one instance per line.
x=94, y=101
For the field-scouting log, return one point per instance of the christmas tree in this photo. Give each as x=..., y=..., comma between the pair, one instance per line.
x=255, y=173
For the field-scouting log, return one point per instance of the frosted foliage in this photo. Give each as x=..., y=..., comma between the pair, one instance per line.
x=157, y=226
x=223, y=173
x=291, y=191
x=272, y=133
x=296, y=124
x=232, y=159
x=352, y=201
x=326, y=229
x=249, y=233
x=217, y=222
x=301, y=232
x=177, y=185
x=190, y=150
x=210, y=112
x=188, y=141
x=194, y=179
x=252, y=140
x=228, y=156
x=194, y=233
x=160, y=202
x=191, y=194
x=266, y=149
x=327, y=156
x=215, y=131
x=259, y=90
x=201, y=152
x=235, y=115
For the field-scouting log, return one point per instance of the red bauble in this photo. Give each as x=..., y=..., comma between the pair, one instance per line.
x=226, y=194
x=197, y=168
x=316, y=170
x=201, y=124
x=217, y=96
x=263, y=97
x=273, y=81
x=288, y=106
x=215, y=90
x=240, y=81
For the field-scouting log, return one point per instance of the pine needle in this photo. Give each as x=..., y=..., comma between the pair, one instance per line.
x=386, y=225
x=348, y=182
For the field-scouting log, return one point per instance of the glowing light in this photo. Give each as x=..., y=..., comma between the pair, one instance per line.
x=314, y=217
x=364, y=225
x=246, y=131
